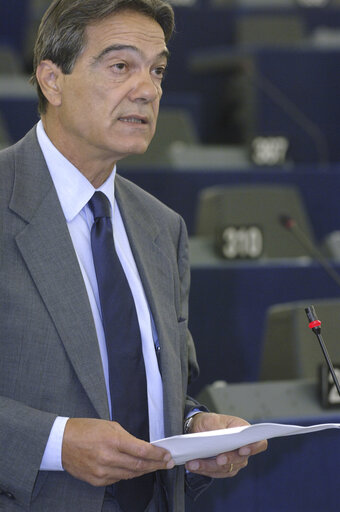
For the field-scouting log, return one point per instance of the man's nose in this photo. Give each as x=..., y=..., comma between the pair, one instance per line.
x=144, y=88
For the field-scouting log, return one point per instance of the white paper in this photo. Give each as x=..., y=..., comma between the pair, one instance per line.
x=209, y=444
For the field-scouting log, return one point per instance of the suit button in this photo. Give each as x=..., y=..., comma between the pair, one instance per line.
x=9, y=495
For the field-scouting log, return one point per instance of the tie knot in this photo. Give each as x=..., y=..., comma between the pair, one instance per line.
x=100, y=205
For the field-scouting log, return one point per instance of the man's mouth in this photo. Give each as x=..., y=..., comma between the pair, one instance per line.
x=133, y=120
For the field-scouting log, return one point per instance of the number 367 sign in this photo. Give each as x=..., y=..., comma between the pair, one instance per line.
x=240, y=242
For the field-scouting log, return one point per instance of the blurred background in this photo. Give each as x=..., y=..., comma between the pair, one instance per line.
x=248, y=152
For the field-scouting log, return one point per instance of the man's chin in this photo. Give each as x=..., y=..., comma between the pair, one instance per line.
x=135, y=149
x=138, y=149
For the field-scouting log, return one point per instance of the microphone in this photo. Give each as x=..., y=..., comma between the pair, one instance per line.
x=315, y=325
x=291, y=225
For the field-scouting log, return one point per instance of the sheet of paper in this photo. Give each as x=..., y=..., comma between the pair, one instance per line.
x=209, y=444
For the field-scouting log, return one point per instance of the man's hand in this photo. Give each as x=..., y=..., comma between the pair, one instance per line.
x=101, y=452
x=225, y=464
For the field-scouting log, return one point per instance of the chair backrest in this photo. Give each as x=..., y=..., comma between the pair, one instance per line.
x=238, y=206
x=290, y=348
x=254, y=4
x=10, y=63
x=5, y=139
x=331, y=245
x=262, y=4
x=274, y=30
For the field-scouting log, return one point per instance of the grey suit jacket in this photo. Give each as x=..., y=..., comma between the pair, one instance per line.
x=49, y=357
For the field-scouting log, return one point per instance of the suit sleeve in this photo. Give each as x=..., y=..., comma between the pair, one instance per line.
x=194, y=484
x=24, y=432
x=184, y=274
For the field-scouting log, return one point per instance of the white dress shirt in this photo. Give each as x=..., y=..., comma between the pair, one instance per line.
x=74, y=192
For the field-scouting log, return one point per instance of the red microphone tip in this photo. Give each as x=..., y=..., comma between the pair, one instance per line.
x=315, y=323
x=286, y=221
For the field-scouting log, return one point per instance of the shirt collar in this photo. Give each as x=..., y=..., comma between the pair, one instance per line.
x=73, y=189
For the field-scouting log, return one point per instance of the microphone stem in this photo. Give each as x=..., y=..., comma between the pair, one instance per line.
x=318, y=256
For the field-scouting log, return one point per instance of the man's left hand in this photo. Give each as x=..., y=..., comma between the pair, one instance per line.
x=227, y=464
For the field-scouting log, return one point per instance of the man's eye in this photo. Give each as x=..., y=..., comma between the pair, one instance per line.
x=160, y=72
x=119, y=66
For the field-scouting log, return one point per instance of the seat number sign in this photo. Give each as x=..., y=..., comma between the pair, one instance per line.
x=241, y=242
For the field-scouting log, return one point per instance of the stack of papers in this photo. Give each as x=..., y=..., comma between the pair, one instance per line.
x=209, y=444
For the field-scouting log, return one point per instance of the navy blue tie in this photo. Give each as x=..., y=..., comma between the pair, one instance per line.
x=127, y=377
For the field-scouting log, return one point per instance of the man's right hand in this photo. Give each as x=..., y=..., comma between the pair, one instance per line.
x=101, y=452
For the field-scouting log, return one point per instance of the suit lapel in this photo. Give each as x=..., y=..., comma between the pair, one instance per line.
x=47, y=249
x=155, y=271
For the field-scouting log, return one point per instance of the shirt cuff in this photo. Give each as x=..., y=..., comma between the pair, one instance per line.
x=193, y=412
x=51, y=460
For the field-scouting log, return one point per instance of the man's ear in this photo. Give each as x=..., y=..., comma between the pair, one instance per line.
x=49, y=77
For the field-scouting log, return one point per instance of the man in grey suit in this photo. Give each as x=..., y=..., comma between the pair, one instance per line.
x=98, y=69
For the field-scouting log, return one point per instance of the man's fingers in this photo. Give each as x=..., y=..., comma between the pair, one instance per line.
x=254, y=448
x=102, y=452
x=142, y=459
x=205, y=421
x=221, y=466
x=141, y=450
x=227, y=464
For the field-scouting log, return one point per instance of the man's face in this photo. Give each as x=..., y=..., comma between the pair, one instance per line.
x=109, y=103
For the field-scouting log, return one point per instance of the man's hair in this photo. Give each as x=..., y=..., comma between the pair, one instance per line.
x=61, y=36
